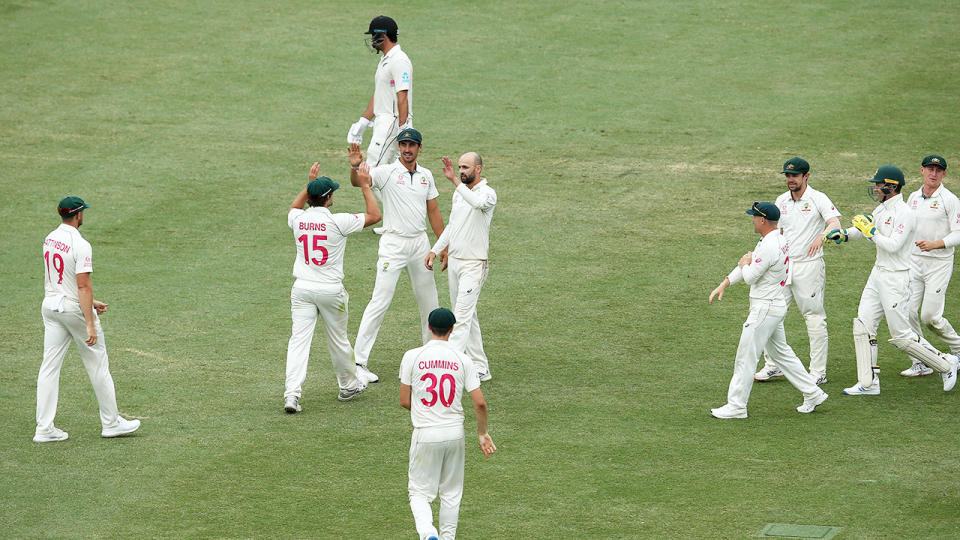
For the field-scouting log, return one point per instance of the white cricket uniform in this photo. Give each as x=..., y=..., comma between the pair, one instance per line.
x=801, y=223
x=66, y=254
x=468, y=236
x=767, y=274
x=404, y=244
x=439, y=376
x=321, y=240
x=394, y=74
x=938, y=218
x=887, y=292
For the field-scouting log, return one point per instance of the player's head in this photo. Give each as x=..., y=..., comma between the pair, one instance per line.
x=320, y=191
x=886, y=182
x=382, y=29
x=797, y=171
x=470, y=166
x=71, y=209
x=410, y=141
x=441, y=321
x=933, y=168
x=766, y=216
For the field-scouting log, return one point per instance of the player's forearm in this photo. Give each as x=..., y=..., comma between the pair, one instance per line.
x=368, y=113
x=481, y=414
x=373, y=210
x=403, y=107
x=952, y=239
x=441, y=243
x=474, y=199
x=300, y=200
x=85, y=295
x=436, y=220
x=832, y=223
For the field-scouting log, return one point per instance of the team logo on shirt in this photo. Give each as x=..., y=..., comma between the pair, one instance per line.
x=401, y=179
x=805, y=207
x=405, y=77
x=889, y=220
x=913, y=205
x=758, y=260
x=934, y=205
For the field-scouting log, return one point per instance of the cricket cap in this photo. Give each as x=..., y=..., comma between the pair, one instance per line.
x=322, y=186
x=888, y=174
x=410, y=134
x=934, y=160
x=796, y=165
x=766, y=210
x=70, y=206
x=382, y=24
x=441, y=319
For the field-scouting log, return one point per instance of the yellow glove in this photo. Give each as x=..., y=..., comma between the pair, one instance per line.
x=864, y=222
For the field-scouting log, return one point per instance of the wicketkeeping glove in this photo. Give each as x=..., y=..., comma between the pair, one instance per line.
x=864, y=222
x=355, y=135
x=838, y=235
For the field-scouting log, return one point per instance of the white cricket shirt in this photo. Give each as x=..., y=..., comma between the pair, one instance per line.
x=439, y=376
x=938, y=218
x=65, y=254
x=468, y=232
x=404, y=196
x=802, y=221
x=321, y=240
x=394, y=74
x=769, y=270
x=895, y=224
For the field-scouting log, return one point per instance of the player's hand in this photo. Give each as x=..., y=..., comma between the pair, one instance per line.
x=99, y=307
x=406, y=125
x=815, y=247
x=91, y=335
x=745, y=260
x=929, y=245
x=355, y=134
x=718, y=292
x=428, y=262
x=838, y=235
x=314, y=171
x=444, y=259
x=486, y=445
x=864, y=222
x=363, y=175
x=448, y=169
x=355, y=155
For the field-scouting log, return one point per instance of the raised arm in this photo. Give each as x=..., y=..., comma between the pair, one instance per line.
x=372, y=214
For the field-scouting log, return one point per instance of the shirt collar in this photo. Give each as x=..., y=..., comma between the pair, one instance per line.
x=892, y=201
x=395, y=48
x=935, y=193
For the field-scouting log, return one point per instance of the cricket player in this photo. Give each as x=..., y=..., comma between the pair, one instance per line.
x=409, y=197
x=321, y=240
x=468, y=236
x=766, y=270
x=71, y=313
x=433, y=379
x=806, y=215
x=931, y=257
x=891, y=228
x=390, y=109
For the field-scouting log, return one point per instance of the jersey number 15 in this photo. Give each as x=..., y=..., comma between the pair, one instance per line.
x=316, y=247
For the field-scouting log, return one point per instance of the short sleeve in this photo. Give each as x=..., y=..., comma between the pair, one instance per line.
x=84, y=258
x=471, y=375
x=826, y=207
x=293, y=215
x=349, y=223
x=405, y=375
x=402, y=74
x=379, y=175
x=432, y=192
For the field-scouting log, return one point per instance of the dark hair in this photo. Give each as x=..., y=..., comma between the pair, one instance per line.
x=440, y=331
x=318, y=200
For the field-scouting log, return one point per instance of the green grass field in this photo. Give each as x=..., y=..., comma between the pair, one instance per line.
x=624, y=139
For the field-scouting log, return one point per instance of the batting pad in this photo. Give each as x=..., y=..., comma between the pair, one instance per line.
x=865, y=347
x=924, y=352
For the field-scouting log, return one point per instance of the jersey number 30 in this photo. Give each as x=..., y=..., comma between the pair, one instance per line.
x=316, y=247
x=440, y=391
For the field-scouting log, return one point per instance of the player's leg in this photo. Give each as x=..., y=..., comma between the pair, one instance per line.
x=451, y=488
x=770, y=371
x=383, y=147
x=809, y=281
x=303, y=314
x=389, y=265
x=934, y=299
x=786, y=359
x=466, y=336
x=333, y=307
x=56, y=341
x=422, y=280
x=756, y=333
x=917, y=290
x=869, y=315
x=423, y=480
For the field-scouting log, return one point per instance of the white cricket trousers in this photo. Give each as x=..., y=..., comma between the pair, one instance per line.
x=396, y=253
x=929, y=278
x=60, y=327
x=330, y=303
x=887, y=294
x=807, y=290
x=436, y=467
x=763, y=330
x=466, y=277
x=383, y=148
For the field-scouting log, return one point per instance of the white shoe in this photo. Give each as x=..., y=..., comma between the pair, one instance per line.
x=485, y=376
x=916, y=370
x=365, y=375
x=347, y=395
x=950, y=377
x=122, y=427
x=54, y=435
x=819, y=379
x=378, y=230
x=858, y=390
x=766, y=374
x=728, y=411
x=810, y=404
x=292, y=405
